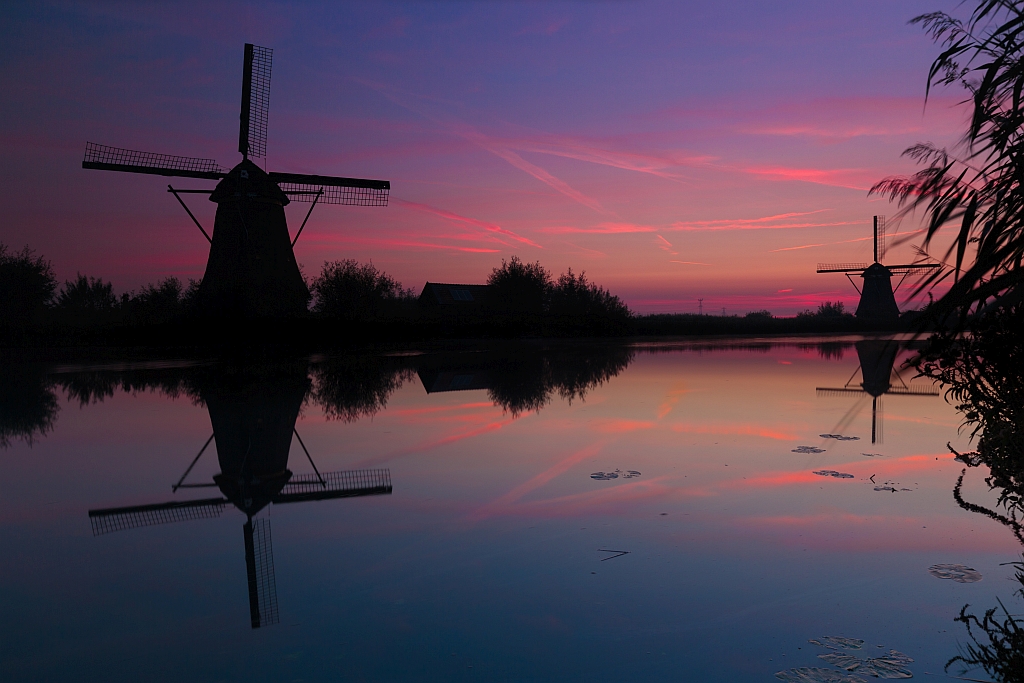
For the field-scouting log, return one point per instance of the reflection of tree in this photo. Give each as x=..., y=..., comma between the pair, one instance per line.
x=997, y=643
x=984, y=374
x=95, y=385
x=525, y=381
x=28, y=404
x=348, y=388
x=576, y=371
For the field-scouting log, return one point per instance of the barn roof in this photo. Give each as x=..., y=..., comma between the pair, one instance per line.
x=449, y=294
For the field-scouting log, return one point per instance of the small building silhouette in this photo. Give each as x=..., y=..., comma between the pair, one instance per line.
x=454, y=297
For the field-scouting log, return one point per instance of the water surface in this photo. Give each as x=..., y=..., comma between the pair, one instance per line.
x=485, y=546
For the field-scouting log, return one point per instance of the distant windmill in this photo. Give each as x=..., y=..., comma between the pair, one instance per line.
x=877, y=297
x=253, y=423
x=877, y=358
x=251, y=270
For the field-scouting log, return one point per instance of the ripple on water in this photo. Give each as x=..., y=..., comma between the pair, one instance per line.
x=839, y=437
x=808, y=449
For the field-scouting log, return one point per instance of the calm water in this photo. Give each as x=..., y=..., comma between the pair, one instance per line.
x=488, y=550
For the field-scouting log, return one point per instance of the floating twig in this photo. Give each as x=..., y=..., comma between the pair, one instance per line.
x=612, y=557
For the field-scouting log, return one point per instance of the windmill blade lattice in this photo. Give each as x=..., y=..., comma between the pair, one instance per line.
x=106, y=158
x=333, y=190
x=259, y=566
x=118, y=519
x=252, y=130
x=344, y=484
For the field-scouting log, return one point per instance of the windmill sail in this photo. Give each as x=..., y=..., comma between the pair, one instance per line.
x=842, y=267
x=117, y=519
x=259, y=568
x=252, y=129
x=106, y=158
x=345, y=484
x=333, y=190
x=879, y=238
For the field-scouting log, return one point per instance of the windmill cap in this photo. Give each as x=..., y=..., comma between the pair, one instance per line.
x=876, y=270
x=251, y=179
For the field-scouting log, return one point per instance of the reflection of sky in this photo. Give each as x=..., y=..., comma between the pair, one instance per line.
x=671, y=150
x=486, y=554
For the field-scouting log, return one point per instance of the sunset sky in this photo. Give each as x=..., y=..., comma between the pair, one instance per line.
x=671, y=150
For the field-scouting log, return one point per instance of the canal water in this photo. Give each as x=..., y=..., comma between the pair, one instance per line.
x=530, y=512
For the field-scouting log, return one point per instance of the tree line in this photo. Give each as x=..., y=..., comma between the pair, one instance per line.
x=521, y=296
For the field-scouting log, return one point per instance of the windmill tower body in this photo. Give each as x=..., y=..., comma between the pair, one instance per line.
x=877, y=296
x=251, y=271
x=877, y=299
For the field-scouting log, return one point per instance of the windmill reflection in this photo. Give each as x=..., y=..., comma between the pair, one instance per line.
x=253, y=416
x=877, y=361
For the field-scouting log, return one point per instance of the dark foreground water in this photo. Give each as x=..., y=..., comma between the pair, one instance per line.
x=521, y=514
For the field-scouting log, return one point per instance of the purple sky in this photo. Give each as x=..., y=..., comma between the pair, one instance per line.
x=671, y=150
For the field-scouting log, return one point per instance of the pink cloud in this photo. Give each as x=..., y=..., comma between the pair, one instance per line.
x=854, y=179
x=539, y=173
x=463, y=219
x=802, y=246
x=571, y=148
x=601, y=229
x=774, y=222
x=384, y=242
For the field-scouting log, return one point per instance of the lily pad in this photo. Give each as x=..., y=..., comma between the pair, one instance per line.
x=838, y=642
x=813, y=674
x=604, y=476
x=842, y=660
x=956, y=572
x=888, y=666
x=832, y=473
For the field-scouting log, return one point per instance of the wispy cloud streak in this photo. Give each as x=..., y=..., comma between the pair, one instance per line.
x=492, y=227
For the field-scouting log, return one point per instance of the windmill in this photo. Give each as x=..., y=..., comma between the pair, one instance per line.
x=877, y=297
x=877, y=358
x=253, y=424
x=251, y=271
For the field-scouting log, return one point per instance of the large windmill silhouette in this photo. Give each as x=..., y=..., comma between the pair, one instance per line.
x=877, y=358
x=253, y=422
x=877, y=296
x=251, y=271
